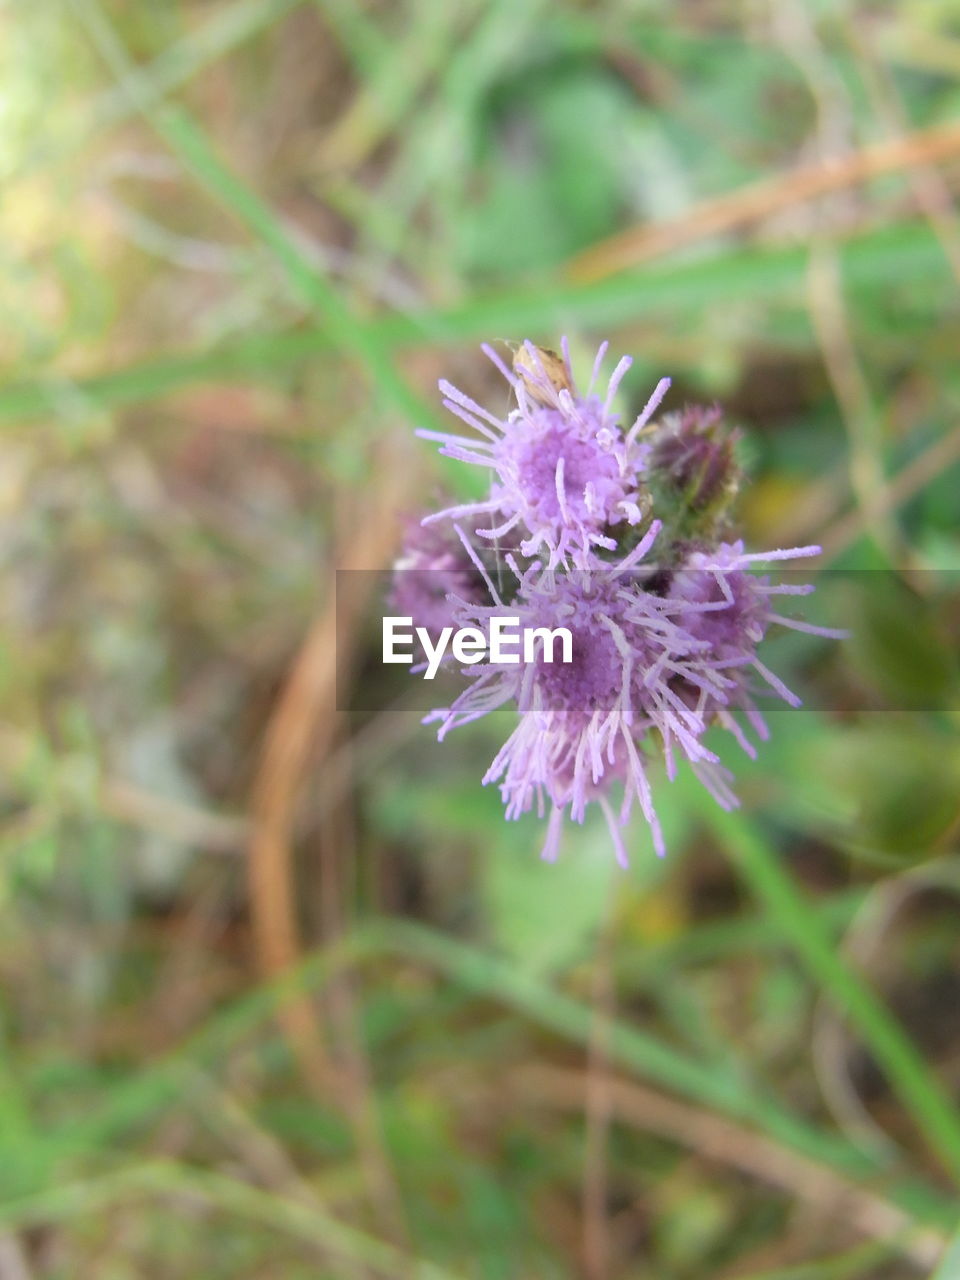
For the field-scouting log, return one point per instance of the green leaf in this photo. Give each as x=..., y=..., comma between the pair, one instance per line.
x=543, y=915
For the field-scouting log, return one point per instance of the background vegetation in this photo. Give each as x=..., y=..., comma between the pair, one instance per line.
x=282, y=994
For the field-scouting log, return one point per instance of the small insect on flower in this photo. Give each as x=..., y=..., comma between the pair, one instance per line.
x=534, y=365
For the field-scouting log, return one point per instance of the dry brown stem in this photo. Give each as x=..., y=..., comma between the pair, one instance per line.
x=303, y=730
x=715, y=1138
x=760, y=200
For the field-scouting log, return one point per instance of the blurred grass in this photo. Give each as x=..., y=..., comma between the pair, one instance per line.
x=871, y=260
x=240, y=241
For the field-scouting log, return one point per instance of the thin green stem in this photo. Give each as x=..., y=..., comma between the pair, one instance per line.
x=935, y=1116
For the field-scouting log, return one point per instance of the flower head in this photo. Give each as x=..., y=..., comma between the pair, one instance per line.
x=433, y=568
x=731, y=609
x=661, y=650
x=563, y=473
x=651, y=672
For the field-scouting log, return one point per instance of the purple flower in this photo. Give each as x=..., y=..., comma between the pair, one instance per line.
x=660, y=651
x=563, y=472
x=649, y=671
x=732, y=609
x=433, y=566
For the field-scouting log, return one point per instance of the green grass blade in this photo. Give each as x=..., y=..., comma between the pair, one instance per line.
x=306, y=1221
x=171, y=70
x=774, y=274
x=155, y=1089
x=223, y=32
x=935, y=1116
x=949, y=1268
x=189, y=144
x=360, y=38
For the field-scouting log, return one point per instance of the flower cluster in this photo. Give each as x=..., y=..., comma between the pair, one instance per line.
x=621, y=536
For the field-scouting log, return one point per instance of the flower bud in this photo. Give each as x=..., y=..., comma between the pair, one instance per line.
x=692, y=468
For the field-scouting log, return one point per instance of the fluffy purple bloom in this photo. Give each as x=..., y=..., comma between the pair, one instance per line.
x=434, y=567
x=650, y=672
x=563, y=472
x=661, y=651
x=731, y=609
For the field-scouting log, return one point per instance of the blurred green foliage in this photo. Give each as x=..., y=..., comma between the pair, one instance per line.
x=239, y=242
